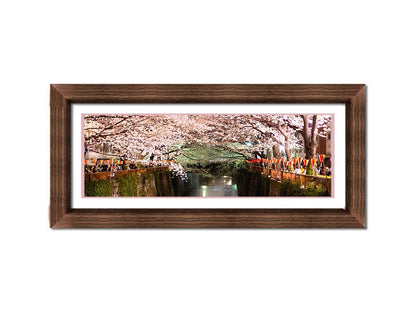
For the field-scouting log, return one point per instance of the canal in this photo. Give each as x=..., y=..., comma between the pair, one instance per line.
x=202, y=185
x=220, y=185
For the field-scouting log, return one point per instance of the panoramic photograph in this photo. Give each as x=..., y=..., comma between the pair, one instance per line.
x=207, y=155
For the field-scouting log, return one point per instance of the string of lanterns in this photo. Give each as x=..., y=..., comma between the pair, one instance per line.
x=115, y=162
x=295, y=161
x=272, y=161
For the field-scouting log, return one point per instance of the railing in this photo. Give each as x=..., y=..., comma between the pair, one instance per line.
x=108, y=175
x=302, y=179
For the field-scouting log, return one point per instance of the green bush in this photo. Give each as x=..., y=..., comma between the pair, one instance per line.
x=314, y=189
x=289, y=188
x=99, y=188
x=127, y=186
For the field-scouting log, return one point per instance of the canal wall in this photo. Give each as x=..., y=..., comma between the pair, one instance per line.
x=278, y=176
x=252, y=183
x=131, y=183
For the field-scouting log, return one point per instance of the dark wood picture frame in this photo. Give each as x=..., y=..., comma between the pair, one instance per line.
x=62, y=216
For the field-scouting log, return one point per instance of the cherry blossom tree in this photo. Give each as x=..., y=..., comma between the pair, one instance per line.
x=282, y=128
x=138, y=136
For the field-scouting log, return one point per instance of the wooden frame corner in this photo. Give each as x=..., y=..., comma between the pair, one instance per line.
x=63, y=216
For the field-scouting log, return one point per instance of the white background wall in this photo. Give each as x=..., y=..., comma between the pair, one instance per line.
x=45, y=42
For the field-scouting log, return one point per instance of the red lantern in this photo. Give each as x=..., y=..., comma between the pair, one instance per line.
x=306, y=161
x=300, y=160
x=94, y=160
x=86, y=161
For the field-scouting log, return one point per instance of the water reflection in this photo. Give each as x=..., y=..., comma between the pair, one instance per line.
x=208, y=186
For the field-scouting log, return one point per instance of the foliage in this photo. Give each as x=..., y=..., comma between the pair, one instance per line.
x=101, y=188
x=289, y=188
x=218, y=168
x=127, y=186
x=204, y=154
x=315, y=189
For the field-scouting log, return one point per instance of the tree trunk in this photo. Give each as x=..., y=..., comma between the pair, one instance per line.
x=140, y=156
x=312, y=149
x=313, y=144
x=310, y=139
x=276, y=151
x=288, y=151
x=269, y=154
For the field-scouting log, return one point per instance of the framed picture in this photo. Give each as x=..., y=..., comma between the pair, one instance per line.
x=208, y=156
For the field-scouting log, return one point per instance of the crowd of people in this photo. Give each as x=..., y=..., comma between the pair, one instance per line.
x=325, y=171
x=320, y=168
x=126, y=165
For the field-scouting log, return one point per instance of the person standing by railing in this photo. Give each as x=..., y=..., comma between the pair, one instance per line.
x=328, y=171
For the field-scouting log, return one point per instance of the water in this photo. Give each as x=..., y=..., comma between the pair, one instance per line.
x=208, y=186
x=242, y=183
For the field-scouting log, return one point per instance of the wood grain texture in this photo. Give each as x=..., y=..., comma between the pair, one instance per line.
x=356, y=156
x=173, y=93
x=60, y=161
x=208, y=218
x=62, y=216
